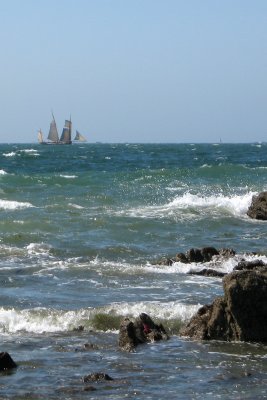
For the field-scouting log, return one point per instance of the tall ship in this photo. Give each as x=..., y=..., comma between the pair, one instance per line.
x=65, y=138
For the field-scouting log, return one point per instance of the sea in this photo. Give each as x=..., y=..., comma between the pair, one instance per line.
x=82, y=230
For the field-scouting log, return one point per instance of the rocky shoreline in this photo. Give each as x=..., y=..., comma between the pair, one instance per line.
x=239, y=315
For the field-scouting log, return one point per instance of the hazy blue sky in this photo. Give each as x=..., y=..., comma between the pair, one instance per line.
x=135, y=70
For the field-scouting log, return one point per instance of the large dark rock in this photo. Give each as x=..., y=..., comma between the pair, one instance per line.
x=141, y=330
x=258, y=207
x=240, y=315
x=6, y=362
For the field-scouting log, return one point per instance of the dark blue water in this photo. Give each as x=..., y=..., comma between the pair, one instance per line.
x=81, y=229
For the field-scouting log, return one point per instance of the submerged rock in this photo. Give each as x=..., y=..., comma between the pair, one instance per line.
x=258, y=207
x=208, y=272
x=240, y=315
x=97, y=377
x=141, y=330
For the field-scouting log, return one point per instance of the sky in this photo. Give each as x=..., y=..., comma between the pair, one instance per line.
x=175, y=71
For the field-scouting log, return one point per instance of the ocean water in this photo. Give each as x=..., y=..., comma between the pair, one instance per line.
x=81, y=230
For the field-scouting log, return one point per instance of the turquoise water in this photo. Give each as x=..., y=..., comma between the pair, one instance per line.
x=81, y=229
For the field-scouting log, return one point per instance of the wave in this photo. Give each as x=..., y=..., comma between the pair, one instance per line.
x=236, y=204
x=192, y=204
x=43, y=320
x=68, y=176
x=77, y=206
x=14, y=205
x=30, y=152
x=11, y=154
x=50, y=263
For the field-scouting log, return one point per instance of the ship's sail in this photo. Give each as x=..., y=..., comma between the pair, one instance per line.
x=53, y=133
x=80, y=137
x=66, y=132
x=40, y=136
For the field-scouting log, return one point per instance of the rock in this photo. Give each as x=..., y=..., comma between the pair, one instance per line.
x=181, y=257
x=194, y=255
x=208, y=323
x=91, y=346
x=89, y=388
x=227, y=253
x=255, y=264
x=164, y=261
x=208, y=252
x=128, y=338
x=258, y=207
x=97, y=377
x=201, y=255
x=6, y=362
x=241, y=315
x=208, y=272
x=141, y=330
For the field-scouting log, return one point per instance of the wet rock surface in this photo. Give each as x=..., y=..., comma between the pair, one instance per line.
x=195, y=255
x=6, y=361
x=141, y=330
x=258, y=207
x=239, y=315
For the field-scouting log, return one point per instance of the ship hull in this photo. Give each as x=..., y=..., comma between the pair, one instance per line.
x=55, y=143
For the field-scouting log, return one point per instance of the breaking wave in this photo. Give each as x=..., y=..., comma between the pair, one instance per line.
x=188, y=203
x=42, y=320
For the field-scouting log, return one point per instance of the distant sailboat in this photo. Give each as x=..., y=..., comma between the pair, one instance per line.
x=79, y=137
x=53, y=137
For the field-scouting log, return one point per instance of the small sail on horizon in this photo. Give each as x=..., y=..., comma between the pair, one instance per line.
x=79, y=137
x=40, y=136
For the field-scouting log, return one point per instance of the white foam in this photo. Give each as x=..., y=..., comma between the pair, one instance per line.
x=2, y=172
x=38, y=248
x=236, y=205
x=34, y=151
x=76, y=206
x=14, y=205
x=11, y=154
x=164, y=311
x=218, y=263
x=68, y=176
x=36, y=320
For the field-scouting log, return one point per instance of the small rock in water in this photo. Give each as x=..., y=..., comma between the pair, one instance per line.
x=6, y=361
x=141, y=330
x=97, y=377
